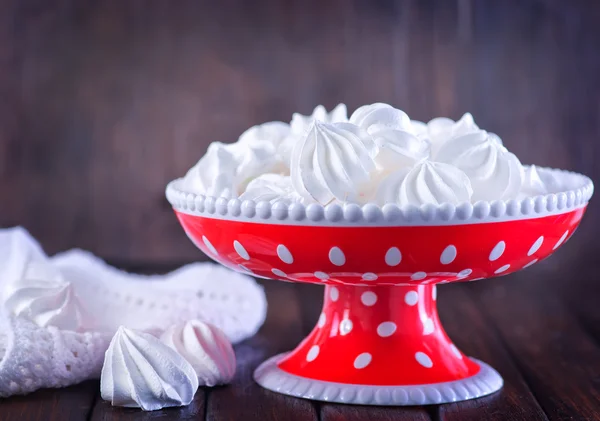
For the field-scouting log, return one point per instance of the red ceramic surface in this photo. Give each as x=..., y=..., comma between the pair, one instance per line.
x=379, y=324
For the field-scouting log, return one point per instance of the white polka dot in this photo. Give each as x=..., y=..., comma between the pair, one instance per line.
x=448, y=255
x=434, y=293
x=386, y=329
x=334, y=294
x=369, y=276
x=502, y=269
x=464, y=273
x=497, y=251
x=536, y=246
x=533, y=262
x=279, y=273
x=336, y=256
x=455, y=351
x=322, y=320
x=209, y=245
x=284, y=254
x=424, y=359
x=362, y=360
x=561, y=240
x=345, y=326
x=393, y=257
x=428, y=327
x=368, y=298
x=313, y=352
x=411, y=298
x=417, y=276
x=241, y=250
x=321, y=275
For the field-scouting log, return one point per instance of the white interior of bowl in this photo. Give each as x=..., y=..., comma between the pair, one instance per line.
x=578, y=190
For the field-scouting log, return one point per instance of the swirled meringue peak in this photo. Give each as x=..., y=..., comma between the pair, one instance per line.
x=43, y=297
x=427, y=182
x=333, y=161
x=141, y=372
x=301, y=123
x=399, y=149
x=494, y=172
x=272, y=188
x=206, y=348
x=379, y=116
x=538, y=182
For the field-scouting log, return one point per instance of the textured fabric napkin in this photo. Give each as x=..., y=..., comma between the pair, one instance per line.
x=58, y=314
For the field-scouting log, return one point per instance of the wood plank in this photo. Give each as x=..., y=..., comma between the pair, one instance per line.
x=470, y=330
x=558, y=358
x=103, y=411
x=311, y=298
x=245, y=399
x=72, y=403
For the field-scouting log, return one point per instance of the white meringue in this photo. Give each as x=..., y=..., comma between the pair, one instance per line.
x=254, y=160
x=141, y=372
x=379, y=116
x=206, y=348
x=301, y=123
x=399, y=149
x=262, y=149
x=442, y=129
x=426, y=182
x=333, y=161
x=273, y=188
x=273, y=132
x=538, y=182
x=494, y=172
x=215, y=173
x=43, y=297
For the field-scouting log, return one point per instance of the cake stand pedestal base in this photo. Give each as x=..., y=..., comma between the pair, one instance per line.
x=381, y=345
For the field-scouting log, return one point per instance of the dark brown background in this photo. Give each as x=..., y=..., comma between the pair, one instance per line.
x=103, y=102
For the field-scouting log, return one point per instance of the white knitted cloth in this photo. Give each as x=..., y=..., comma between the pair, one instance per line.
x=34, y=357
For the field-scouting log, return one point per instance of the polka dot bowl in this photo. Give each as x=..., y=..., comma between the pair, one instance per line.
x=379, y=340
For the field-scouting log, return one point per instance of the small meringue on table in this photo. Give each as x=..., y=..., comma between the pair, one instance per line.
x=206, y=348
x=141, y=372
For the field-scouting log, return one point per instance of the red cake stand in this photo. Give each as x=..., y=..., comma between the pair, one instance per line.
x=379, y=340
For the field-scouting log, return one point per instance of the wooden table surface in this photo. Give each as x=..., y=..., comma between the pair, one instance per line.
x=536, y=328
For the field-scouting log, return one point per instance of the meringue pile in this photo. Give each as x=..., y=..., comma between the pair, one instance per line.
x=153, y=340
x=378, y=155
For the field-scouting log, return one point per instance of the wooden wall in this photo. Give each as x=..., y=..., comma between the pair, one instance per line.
x=103, y=102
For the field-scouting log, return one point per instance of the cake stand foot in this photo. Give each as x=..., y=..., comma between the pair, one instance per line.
x=271, y=377
x=379, y=345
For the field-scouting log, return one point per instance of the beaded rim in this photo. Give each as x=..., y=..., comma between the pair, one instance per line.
x=271, y=377
x=352, y=214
